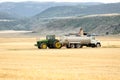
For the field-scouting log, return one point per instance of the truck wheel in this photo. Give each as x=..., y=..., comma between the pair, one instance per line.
x=43, y=46
x=98, y=45
x=93, y=45
x=57, y=45
x=78, y=46
x=67, y=46
x=72, y=45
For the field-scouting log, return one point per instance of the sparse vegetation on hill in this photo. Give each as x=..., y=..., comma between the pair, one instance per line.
x=94, y=24
x=5, y=15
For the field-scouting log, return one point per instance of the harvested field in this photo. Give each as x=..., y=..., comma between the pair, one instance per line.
x=21, y=60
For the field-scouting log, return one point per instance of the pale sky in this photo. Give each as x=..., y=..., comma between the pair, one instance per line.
x=104, y=1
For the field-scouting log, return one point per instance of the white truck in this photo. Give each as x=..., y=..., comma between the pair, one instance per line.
x=77, y=41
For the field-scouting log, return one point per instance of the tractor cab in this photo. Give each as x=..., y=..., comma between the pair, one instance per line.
x=50, y=37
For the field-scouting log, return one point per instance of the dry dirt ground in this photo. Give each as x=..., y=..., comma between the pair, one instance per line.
x=21, y=60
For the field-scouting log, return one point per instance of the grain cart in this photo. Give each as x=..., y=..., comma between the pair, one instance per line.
x=77, y=41
x=50, y=42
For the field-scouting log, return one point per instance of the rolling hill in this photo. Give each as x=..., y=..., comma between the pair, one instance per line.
x=5, y=15
x=62, y=18
x=10, y=22
x=28, y=9
x=98, y=24
x=63, y=11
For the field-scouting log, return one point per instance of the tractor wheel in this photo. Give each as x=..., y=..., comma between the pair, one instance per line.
x=39, y=47
x=57, y=45
x=43, y=46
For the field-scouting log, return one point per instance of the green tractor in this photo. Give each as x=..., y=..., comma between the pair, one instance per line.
x=50, y=42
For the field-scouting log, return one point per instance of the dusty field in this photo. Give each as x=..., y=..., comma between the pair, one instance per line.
x=20, y=60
